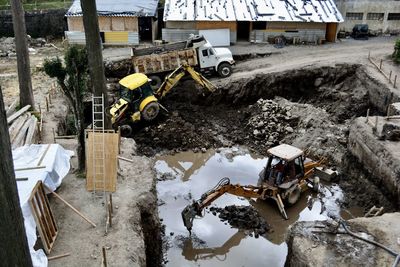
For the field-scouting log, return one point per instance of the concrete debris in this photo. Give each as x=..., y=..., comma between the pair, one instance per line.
x=243, y=217
x=7, y=45
x=272, y=122
x=390, y=132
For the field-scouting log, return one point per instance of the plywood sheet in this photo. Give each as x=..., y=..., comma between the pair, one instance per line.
x=131, y=24
x=118, y=24
x=207, y=25
x=94, y=162
x=75, y=24
x=43, y=216
x=104, y=23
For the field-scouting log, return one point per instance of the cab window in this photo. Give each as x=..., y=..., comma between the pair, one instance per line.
x=211, y=51
x=205, y=53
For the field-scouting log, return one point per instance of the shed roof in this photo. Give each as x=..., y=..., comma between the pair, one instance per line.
x=286, y=152
x=126, y=8
x=252, y=10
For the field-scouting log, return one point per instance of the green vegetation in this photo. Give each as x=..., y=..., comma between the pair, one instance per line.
x=73, y=80
x=396, y=53
x=38, y=4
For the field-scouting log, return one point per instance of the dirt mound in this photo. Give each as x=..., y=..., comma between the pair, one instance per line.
x=243, y=217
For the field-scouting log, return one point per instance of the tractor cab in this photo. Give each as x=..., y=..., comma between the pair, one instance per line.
x=135, y=87
x=285, y=166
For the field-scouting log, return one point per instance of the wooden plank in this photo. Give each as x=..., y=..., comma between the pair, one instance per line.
x=31, y=130
x=18, y=113
x=29, y=168
x=11, y=108
x=13, y=130
x=111, y=148
x=20, y=138
x=43, y=155
x=71, y=207
x=43, y=216
x=58, y=256
x=125, y=159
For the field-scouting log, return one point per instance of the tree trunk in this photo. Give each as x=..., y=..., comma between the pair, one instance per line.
x=14, y=249
x=93, y=45
x=21, y=47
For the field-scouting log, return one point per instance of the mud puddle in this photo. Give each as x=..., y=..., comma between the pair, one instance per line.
x=185, y=176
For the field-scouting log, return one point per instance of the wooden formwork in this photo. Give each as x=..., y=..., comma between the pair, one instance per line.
x=111, y=151
x=43, y=216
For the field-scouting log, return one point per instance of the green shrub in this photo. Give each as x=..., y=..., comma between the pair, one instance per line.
x=396, y=53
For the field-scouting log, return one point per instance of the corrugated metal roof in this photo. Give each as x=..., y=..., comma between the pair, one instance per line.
x=139, y=8
x=252, y=10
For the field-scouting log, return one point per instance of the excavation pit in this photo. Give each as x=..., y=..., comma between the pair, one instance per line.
x=184, y=177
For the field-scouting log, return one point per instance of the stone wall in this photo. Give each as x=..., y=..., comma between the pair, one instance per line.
x=38, y=23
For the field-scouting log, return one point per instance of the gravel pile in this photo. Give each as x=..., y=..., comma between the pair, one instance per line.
x=272, y=122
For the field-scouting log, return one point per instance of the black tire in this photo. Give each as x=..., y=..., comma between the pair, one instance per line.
x=294, y=196
x=150, y=111
x=155, y=82
x=224, y=70
x=126, y=130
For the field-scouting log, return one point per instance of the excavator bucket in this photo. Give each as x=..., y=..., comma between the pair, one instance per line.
x=188, y=215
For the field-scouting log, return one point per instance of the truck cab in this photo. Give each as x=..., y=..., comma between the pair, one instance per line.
x=219, y=60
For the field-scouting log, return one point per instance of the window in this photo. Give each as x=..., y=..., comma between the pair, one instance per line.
x=259, y=25
x=375, y=16
x=211, y=51
x=354, y=16
x=394, y=16
x=205, y=52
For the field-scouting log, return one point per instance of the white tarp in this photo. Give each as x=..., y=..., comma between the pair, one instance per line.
x=56, y=162
x=217, y=37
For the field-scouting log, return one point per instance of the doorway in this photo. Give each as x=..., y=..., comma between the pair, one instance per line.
x=145, y=29
x=243, y=30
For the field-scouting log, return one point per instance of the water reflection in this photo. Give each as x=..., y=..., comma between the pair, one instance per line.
x=220, y=244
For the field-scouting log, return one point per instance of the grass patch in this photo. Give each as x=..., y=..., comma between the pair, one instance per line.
x=38, y=5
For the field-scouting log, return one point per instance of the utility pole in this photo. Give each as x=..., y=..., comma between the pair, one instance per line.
x=14, y=249
x=95, y=56
x=21, y=47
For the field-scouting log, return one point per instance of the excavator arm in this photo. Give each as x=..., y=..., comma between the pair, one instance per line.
x=224, y=186
x=173, y=78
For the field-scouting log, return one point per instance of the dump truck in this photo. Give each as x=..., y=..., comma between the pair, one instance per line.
x=158, y=61
x=287, y=173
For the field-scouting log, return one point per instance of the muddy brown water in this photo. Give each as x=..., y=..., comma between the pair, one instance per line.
x=183, y=177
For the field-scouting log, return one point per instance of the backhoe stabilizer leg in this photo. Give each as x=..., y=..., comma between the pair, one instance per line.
x=281, y=207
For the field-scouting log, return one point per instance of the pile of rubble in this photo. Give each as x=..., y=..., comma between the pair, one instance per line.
x=7, y=45
x=243, y=217
x=271, y=121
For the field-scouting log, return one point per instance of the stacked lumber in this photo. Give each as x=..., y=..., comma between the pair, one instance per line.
x=22, y=126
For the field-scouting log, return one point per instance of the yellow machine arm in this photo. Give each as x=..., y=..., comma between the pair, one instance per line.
x=172, y=79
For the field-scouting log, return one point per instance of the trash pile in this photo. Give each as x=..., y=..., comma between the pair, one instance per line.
x=243, y=217
x=271, y=121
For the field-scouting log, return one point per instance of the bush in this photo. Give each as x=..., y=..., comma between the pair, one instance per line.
x=396, y=53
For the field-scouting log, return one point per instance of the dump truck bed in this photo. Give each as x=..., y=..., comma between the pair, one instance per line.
x=163, y=58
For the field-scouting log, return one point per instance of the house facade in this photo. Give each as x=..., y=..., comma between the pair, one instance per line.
x=252, y=20
x=121, y=22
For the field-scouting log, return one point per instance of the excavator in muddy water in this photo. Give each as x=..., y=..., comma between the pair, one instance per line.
x=286, y=175
x=138, y=101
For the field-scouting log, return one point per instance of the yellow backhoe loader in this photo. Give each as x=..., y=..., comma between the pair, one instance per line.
x=138, y=100
x=286, y=175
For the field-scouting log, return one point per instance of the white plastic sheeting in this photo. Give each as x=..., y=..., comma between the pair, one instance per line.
x=56, y=162
x=252, y=10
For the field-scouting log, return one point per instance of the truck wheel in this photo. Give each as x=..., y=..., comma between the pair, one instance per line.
x=150, y=111
x=224, y=70
x=155, y=82
x=294, y=196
